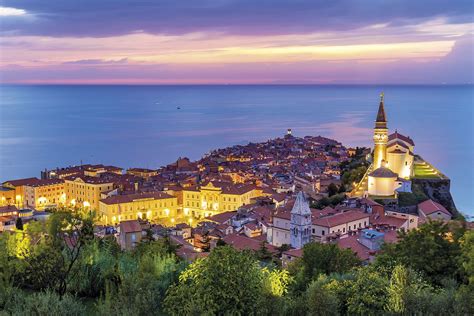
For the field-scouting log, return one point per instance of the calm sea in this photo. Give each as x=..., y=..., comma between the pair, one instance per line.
x=141, y=126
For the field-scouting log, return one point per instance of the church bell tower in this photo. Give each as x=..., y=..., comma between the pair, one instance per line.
x=380, y=135
x=300, y=223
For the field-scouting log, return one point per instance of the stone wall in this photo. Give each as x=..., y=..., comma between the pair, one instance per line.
x=438, y=190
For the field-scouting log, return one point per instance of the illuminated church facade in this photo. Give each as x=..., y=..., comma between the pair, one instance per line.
x=392, y=163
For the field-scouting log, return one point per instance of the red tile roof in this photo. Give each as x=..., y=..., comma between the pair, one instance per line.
x=242, y=242
x=388, y=220
x=46, y=182
x=252, y=226
x=284, y=214
x=404, y=138
x=352, y=243
x=324, y=212
x=340, y=218
x=222, y=217
x=143, y=170
x=117, y=199
x=429, y=207
x=21, y=182
x=370, y=202
x=190, y=254
x=132, y=226
x=90, y=180
x=8, y=209
x=298, y=253
x=279, y=197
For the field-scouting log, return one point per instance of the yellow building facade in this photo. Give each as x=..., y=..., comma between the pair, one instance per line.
x=142, y=173
x=45, y=193
x=7, y=196
x=154, y=206
x=213, y=198
x=19, y=192
x=85, y=191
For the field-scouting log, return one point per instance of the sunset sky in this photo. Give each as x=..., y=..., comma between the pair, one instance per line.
x=225, y=41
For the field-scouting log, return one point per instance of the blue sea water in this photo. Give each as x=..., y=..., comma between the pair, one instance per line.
x=141, y=126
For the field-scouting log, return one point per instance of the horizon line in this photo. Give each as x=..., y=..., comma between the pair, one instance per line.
x=226, y=84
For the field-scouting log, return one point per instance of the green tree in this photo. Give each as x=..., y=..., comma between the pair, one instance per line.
x=226, y=282
x=432, y=250
x=332, y=189
x=142, y=285
x=323, y=259
x=263, y=253
x=397, y=290
x=333, y=201
x=220, y=242
x=467, y=256
x=342, y=188
x=96, y=266
x=275, y=281
x=368, y=292
x=465, y=292
x=19, y=223
x=282, y=249
x=407, y=292
x=353, y=175
x=54, y=250
x=44, y=304
x=321, y=300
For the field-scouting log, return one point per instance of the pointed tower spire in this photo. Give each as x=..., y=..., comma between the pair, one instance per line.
x=381, y=121
x=301, y=205
x=380, y=136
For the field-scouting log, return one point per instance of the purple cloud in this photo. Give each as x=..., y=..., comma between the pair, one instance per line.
x=249, y=17
x=454, y=68
x=96, y=62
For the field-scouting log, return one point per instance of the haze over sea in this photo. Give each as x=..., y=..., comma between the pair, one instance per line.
x=141, y=126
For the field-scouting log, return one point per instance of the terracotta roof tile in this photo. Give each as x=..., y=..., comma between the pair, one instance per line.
x=130, y=226
x=340, y=218
x=242, y=242
x=222, y=217
x=404, y=138
x=21, y=182
x=117, y=199
x=429, y=207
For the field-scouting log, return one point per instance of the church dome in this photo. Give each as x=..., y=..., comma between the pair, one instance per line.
x=383, y=172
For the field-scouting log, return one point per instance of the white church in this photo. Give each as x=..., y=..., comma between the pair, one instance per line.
x=393, y=162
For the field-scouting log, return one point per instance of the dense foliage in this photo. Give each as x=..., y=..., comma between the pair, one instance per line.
x=416, y=196
x=59, y=267
x=354, y=169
